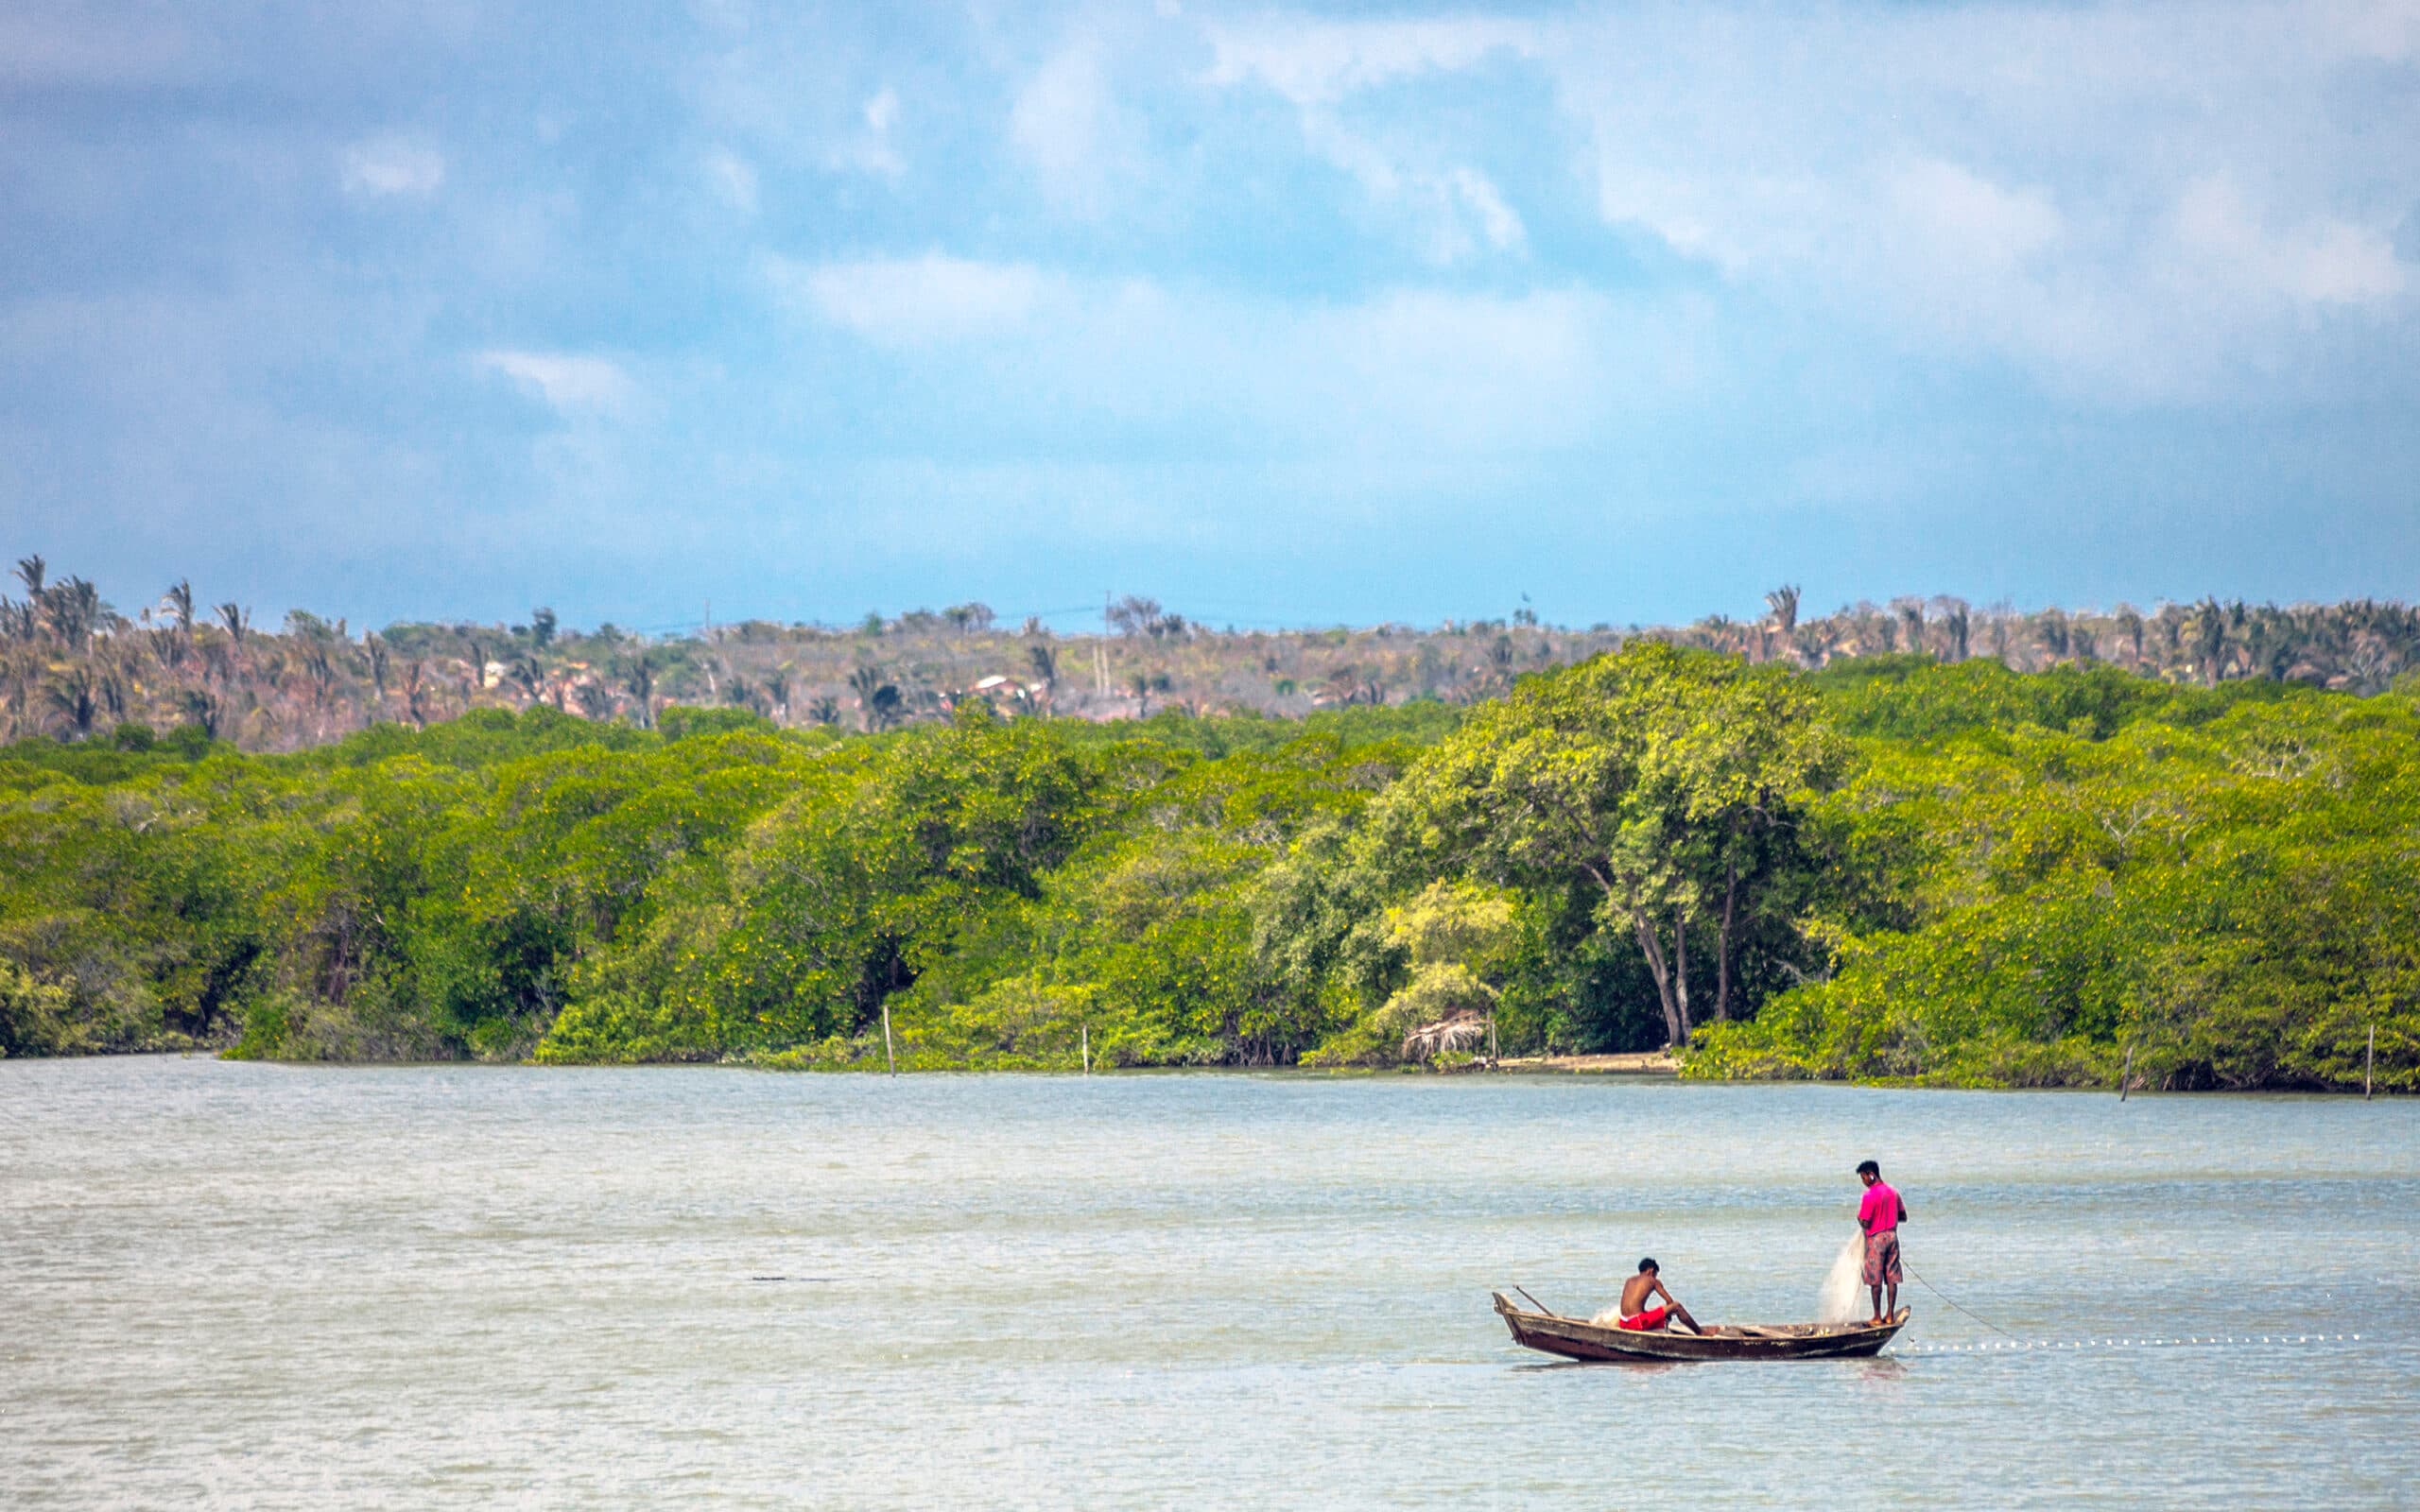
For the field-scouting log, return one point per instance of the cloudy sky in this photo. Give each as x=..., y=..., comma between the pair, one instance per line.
x=446, y=309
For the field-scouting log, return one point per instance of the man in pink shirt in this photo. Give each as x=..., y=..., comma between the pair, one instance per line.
x=1880, y=1215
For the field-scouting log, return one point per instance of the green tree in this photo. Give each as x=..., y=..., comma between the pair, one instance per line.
x=1636, y=771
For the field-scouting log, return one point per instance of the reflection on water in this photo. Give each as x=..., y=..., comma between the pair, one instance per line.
x=448, y=1287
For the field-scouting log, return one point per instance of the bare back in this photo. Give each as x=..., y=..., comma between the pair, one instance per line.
x=1636, y=1292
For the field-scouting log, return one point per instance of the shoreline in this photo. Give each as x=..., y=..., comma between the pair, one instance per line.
x=1643, y=1065
x=1633, y=1063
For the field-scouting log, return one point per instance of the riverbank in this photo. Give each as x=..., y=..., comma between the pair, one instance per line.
x=1644, y=1063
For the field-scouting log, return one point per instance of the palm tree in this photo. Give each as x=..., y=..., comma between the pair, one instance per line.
x=2170, y=620
x=416, y=691
x=1783, y=601
x=638, y=675
x=204, y=710
x=319, y=678
x=777, y=691
x=1046, y=667
x=75, y=610
x=526, y=675
x=1955, y=620
x=168, y=647
x=2130, y=625
x=865, y=680
x=70, y=695
x=968, y=618
x=33, y=571
x=375, y=644
x=886, y=708
x=179, y=603
x=1911, y=619
x=596, y=701
x=2210, y=638
x=826, y=710
x=2055, y=633
x=1132, y=614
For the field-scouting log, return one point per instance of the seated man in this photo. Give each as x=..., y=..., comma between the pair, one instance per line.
x=1637, y=1316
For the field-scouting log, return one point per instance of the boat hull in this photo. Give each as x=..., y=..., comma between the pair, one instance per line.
x=1579, y=1339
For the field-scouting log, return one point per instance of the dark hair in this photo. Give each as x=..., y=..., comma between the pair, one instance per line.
x=1869, y=1168
x=1646, y=1265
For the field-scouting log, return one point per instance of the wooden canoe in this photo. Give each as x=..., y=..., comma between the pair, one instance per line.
x=1576, y=1338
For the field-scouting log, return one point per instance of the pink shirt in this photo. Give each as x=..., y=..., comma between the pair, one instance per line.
x=1881, y=1212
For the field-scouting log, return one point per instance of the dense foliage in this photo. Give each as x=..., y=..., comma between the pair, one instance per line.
x=1889, y=868
x=2047, y=874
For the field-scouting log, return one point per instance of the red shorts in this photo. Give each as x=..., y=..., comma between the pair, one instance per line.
x=1651, y=1319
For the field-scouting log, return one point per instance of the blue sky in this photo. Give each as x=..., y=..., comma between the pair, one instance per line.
x=1281, y=316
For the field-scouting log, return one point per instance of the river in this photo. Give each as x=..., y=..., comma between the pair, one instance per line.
x=417, y=1287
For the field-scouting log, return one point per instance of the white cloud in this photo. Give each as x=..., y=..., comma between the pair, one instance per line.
x=1959, y=211
x=2326, y=262
x=393, y=166
x=1436, y=371
x=733, y=180
x=1069, y=126
x=1319, y=63
x=1451, y=209
x=803, y=87
x=873, y=152
x=2130, y=210
x=914, y=301
x=569, y=382
x=1495, y=221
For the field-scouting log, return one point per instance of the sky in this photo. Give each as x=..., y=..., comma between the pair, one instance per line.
x=1283, y=316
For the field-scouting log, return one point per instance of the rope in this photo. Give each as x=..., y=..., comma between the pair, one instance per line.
x=1944, y=1297
x=2030, y=1345
x=2086, y=1344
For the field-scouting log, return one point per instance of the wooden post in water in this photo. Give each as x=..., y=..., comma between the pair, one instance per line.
x=1087, y=1031
x=887, y=1055
x=2125, y=1079
x=2369, y=1062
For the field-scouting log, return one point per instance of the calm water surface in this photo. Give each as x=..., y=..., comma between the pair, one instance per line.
x=275, y=1287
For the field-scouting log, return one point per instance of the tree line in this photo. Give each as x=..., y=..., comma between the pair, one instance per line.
x=73, y=668
x=1895, y=867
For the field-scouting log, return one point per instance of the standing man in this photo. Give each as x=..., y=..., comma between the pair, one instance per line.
x=1879, y=1214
